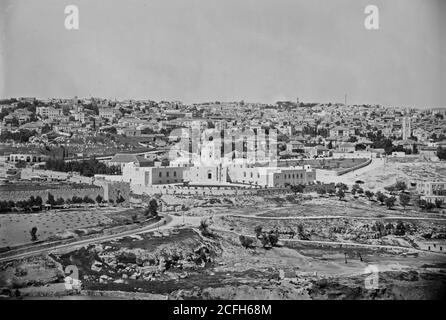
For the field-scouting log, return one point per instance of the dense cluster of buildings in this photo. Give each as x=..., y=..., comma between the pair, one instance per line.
x=245, y=143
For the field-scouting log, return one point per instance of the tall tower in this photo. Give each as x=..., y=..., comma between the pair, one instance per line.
x=407, y=131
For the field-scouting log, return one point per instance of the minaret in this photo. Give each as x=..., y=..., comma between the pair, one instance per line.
x=407, y=132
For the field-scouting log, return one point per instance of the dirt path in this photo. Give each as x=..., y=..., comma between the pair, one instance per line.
x=335, y=217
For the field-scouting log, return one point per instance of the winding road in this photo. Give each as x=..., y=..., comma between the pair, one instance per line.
x=167, y=221
x=172, y=221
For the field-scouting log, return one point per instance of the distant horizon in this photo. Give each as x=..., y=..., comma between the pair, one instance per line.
x=221, y=101
x=226, y=50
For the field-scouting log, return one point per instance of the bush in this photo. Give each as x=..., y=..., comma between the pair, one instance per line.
x=258, y=231
x=246, y=242
x=273, y=238
x=204, y=229
x=99, y=199
x=152, y=210
x=400, y=229
x=342, y=186
x=404, y=199
x=390, y=202
x=341, y=194
x=381, y=197
x=264, y=239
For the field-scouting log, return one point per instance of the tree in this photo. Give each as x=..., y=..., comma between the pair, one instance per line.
x=120, y=199
x=381, y=197
x=39, y=201
x=400, y=229
x=299, y=188
x=438, y=203
x=258, y=231
x=321, y=190
x=246, y=242
x=76, y=199
x=51, y=201
x=60, y=202
x=87, y=199
x=204, y=229
x=33, y=233
x=99, y=199
x=357, y=189
x=342, y=186
x=331, y=190
x=264, y=239
x=429, y=206
x=340, y=194
x=369, y=194
x=379, y=228
x=404, y=199
x=273, y=237
x=152, y=210
x=390, y=202
x=400, y=186
x=441, y=153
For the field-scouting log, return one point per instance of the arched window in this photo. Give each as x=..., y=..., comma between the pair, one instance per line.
x=209, y=175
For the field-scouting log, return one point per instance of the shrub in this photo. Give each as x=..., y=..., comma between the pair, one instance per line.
x=273, y=237
x=246, y=242
x=341, y=194
x=99, y=199
x=258, y=231
x=390, y=202
x=152, y=210
x=404, y=199
x=381, y=197
x=204, y=229
x=400, y=229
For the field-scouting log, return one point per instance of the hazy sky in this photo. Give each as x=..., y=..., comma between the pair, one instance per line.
x=205, y=50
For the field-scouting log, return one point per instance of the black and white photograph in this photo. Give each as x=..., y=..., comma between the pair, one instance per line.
x=222, y=150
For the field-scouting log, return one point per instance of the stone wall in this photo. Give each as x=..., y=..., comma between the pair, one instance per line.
x=114, y=190
x=206, y=191
x=64, y=193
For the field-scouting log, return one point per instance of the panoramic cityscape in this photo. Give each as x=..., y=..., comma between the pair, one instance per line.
x=325, y=182
x=163, y=197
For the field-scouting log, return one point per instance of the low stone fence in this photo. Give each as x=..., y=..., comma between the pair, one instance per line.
x=333, y=173
x=64, y=193
x=359, y=166
x=206, y=191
